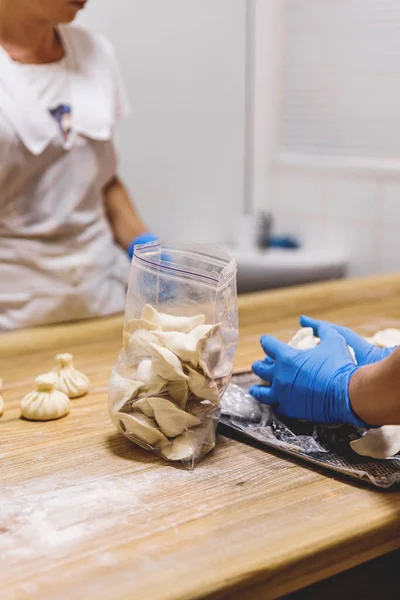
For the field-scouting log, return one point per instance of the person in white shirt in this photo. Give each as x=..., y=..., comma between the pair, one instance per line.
x=67, y=224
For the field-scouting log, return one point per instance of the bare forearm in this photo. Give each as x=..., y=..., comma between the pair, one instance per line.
x=375, y=391
x=125, y=221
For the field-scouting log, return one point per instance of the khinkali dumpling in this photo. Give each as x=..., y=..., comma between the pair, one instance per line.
x=387, y=338
x=380, y=443
x=1, y=399
x=179, y=391
x=201, y=386
x=193, y=443
x=153, y=383
x=171, y=322
x=143, y=430
x=121, y=390
x=171, y=420
x=47, y=403
x=181, y=344
x=138, y=335
x=69, y=380
x=166, y=364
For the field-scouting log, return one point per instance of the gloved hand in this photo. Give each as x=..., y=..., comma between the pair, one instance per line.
x=144, y=238
x=366, y=353
x=310, y=385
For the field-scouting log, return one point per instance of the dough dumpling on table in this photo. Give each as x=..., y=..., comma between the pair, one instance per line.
x=46, y=403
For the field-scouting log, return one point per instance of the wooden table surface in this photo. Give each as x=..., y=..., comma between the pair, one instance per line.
x=85, y=514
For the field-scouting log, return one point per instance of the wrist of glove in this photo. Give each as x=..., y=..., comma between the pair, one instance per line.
x=143, y=238
x=366, y=353
x=310, y=385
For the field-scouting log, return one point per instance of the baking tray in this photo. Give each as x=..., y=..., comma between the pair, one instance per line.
x=326, y=447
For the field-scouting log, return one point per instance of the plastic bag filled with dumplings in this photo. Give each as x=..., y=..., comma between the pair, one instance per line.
x=179, y=342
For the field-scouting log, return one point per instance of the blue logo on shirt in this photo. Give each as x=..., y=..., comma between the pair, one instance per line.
x=63, y=115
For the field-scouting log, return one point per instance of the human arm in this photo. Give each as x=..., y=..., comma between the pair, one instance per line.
x=128, y=227
x=374, y=391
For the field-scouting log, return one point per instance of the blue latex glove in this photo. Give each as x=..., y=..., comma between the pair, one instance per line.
x=310, y=385
x=144, y=238
x=366, y=353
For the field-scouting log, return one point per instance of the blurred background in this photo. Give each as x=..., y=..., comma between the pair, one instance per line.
x=284, y=108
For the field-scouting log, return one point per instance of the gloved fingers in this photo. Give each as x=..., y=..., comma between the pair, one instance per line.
x=263, y=370
x=329, y=334
x=263, y=394
x=273, y=347
x=310, y=322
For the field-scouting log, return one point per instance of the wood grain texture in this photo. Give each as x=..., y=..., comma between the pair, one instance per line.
x=85, y=514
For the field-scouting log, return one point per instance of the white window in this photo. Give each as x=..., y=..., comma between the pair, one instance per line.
x=340, y=80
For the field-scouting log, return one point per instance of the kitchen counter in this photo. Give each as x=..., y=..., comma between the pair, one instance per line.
x=86, y=514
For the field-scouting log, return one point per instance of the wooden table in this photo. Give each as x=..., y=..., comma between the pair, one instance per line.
x=85, y=514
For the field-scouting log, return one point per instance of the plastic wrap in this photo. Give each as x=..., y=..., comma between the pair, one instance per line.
x=324, y=446
x=179, y=342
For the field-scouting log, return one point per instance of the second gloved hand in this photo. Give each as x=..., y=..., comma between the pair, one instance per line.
x=143, y=238
x=310, y=385
x=366, y=353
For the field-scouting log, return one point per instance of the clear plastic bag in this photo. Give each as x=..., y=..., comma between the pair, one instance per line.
x=179, y=342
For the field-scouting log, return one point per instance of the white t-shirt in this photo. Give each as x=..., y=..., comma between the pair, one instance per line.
x=58, y=257
x=50, y=82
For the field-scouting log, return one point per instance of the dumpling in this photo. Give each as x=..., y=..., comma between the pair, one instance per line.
x=179, y=391
x=166, y=364
x=209, y=346
x=201, y=386
x=1, y=398
x=70, y=381
x=142, y=430
x=153, y=383
x=379, y=443
x=121, y=390
x=182, y=345
x=171, y=420
x=387, y=338
x=47, y=403
x=304, y=339
x=171, y=322
x=137, y=338
x=192, y=444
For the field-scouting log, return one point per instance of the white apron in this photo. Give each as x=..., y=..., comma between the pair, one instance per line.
x=58, y=259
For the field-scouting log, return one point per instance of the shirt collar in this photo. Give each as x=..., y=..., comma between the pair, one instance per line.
x=91, y=90
x=21, y=107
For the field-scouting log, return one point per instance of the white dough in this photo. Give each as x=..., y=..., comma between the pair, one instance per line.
x=143, y=429
x=171, y=322
x=193, y=443
x=305, y=340
x=202, y=387
x=121, y=390
x=179, y=391
x=166, y=364
x=387, y=338
x=183, y=345
x=47, y=403
x=171, y=420
x=153, y=383
x=70, y=381
x=379, y=443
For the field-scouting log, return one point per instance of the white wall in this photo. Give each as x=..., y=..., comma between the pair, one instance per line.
x=356, y=211
x=182, y=150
